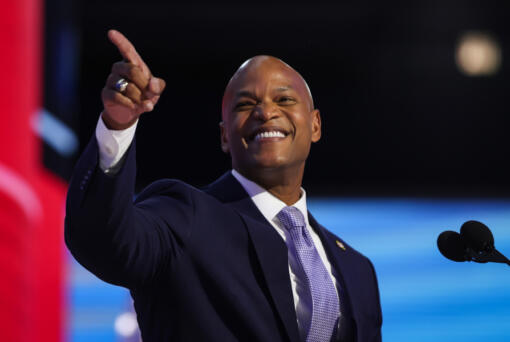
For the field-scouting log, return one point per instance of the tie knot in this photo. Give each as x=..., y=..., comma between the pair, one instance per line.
x=291, y=217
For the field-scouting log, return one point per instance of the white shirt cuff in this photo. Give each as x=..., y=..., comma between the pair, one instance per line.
x=112, y=145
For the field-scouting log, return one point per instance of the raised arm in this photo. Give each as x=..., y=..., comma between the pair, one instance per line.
x=122, y=242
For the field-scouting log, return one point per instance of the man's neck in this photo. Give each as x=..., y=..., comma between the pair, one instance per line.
x=283, y=184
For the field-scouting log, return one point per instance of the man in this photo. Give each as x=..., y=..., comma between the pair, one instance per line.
x=242, y=259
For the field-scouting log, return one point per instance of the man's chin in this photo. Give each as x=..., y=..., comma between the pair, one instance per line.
x=260, y=162
x=268, y=163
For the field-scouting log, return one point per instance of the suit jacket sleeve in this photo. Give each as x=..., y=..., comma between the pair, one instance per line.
x=122, y=241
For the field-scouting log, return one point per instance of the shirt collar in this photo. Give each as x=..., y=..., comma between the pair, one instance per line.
x=268, y=204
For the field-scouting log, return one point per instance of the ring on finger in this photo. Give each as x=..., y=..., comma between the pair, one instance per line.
x=121, y=85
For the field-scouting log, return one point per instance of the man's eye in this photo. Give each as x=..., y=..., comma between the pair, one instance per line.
x=243, y=104
x=286, y=100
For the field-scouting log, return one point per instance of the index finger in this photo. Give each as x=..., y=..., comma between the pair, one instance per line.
x=127, y=50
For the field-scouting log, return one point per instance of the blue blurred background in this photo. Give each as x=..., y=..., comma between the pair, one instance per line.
x=424, y=296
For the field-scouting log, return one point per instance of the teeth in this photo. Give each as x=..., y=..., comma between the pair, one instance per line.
x=272, y=134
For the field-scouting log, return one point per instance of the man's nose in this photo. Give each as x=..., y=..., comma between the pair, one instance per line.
x=266, y=111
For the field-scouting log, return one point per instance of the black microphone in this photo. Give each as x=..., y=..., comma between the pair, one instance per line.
x=474, y=243
x=478, y=236
x=452, y=246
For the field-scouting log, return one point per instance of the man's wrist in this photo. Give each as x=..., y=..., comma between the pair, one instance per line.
x=113, y=125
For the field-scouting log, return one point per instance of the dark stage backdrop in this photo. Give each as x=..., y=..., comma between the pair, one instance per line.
x=398, y=115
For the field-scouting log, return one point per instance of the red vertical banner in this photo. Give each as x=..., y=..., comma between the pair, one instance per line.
x=31, y=201
x=46, y=261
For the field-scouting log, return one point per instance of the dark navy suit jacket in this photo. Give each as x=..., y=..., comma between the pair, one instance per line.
x=201, y=265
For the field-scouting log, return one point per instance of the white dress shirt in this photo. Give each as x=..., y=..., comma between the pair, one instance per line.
x=114, y=144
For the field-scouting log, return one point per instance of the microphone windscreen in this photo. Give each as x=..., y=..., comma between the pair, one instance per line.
x=452, y=246
x=478, y=236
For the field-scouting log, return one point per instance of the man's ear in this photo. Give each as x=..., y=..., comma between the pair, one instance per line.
x=224, y=139
x=316, y=125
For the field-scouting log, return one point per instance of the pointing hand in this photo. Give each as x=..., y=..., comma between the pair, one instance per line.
x=122, y=107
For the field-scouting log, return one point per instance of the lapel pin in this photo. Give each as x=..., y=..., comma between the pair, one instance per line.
x=341, y=245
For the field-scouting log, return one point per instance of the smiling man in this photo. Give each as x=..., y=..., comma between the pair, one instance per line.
x=269, y=124
x=241, y=259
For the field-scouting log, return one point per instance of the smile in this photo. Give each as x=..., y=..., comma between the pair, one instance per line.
x=270, y=134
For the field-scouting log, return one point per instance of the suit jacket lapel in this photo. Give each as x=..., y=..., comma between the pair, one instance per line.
x=342, y=260
x=269, y=246
x=343, y=264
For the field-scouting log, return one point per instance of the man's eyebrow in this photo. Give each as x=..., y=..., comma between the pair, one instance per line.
x=284, y=88
x=244, y=93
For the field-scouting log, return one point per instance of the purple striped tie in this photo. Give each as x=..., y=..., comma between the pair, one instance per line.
x=326, y=308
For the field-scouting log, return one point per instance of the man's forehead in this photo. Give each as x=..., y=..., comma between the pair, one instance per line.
x=273, y=82
x=267, y=65
x=271, y=69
